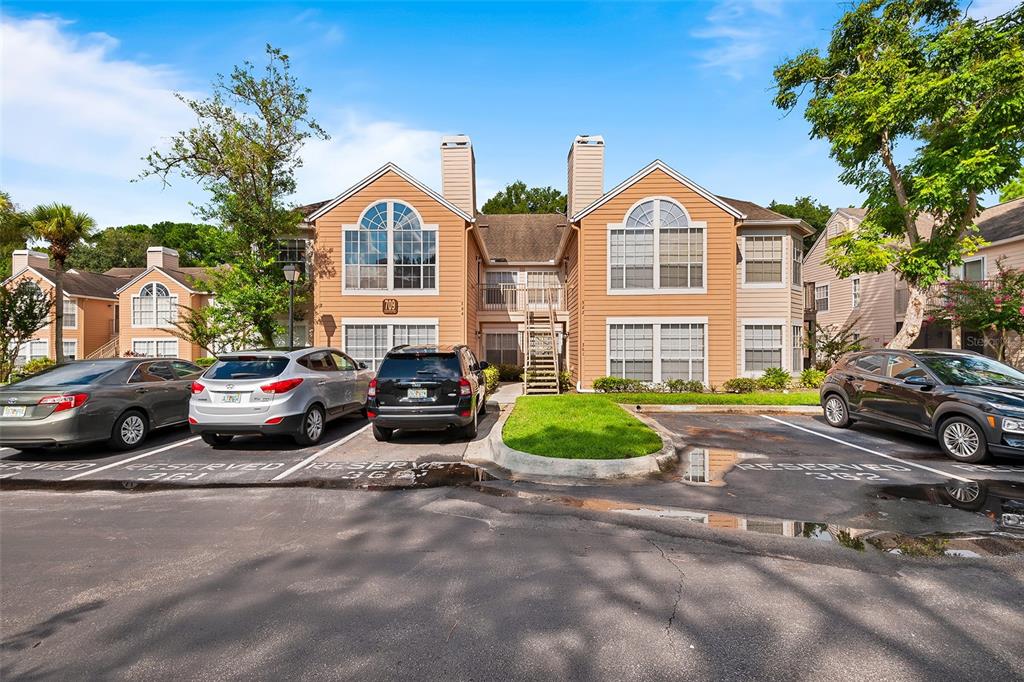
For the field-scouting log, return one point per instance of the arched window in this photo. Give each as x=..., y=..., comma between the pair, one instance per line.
x=154, y=306
x=657, y=247
x=390, y=249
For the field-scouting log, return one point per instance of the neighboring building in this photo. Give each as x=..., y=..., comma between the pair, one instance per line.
x=90, y=307
x=655, y=279
x=876, y=302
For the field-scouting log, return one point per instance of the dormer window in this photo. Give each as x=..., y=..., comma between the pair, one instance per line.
x=656, y=248
x=390, y=249
x=154, y=306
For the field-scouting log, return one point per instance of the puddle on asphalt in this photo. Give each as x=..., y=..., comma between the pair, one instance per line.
x=708, y=466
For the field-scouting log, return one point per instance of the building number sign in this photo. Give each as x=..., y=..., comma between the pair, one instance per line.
x=390, y=306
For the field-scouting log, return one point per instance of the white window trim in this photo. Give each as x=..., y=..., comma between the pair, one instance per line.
x=390, y=323
x=502, y=329
x=163, y=339
x=828, y=298
x=774, y=322
x=781, y=284
x=657, y=289
x=656, y=322
x=796, y=331
x=432, y=227
x=28, y=357
x=74, y=344
x=972, y=259
x=174, y=305
x=856, y=293
x=74, y=303
x=793, y=241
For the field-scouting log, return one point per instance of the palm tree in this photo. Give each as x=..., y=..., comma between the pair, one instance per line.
x=14, y=232
x=64, y=229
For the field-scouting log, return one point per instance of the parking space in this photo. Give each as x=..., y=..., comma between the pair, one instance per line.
x=348, y=456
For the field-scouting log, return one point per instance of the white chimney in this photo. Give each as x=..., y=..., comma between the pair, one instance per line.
x=26, y=258
x=458, y=172
x=161, y=257
x=586, y=171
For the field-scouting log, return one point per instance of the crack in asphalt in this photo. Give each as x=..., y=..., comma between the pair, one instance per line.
x=679, y=585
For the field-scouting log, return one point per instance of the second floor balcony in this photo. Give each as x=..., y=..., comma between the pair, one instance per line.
x=518, y=299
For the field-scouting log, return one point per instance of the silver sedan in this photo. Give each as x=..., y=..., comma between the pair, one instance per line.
x=268, y=392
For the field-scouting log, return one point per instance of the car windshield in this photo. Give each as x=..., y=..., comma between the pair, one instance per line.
x=413, y=366
x=972, y=370
x=247, y=367
x=71, y=374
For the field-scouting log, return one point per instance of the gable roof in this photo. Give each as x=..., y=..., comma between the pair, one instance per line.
x=320, y=208
x=522, y=237
x=186, y=277
x=657, y=164
x=759, y=215
x=78, y=283
x=1003, y=221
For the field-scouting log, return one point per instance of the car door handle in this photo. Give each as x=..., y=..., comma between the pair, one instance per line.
x=859, y=385
x=142, y=390
x=322, y=382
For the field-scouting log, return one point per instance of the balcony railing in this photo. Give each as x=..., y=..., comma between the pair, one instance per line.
x=513, y=298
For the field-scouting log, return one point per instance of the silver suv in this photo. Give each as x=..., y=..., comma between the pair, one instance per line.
x=276, y=392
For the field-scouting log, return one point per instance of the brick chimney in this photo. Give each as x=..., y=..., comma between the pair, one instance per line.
x=586, y=171
x=458, y=172
x=161, y=257
x=26, y=258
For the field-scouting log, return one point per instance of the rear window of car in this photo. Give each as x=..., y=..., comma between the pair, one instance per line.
x=71, y=374
x=433, y=366
x=247, y=367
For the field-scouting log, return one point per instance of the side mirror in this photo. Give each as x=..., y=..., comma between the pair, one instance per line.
x=918, y=380
x=362, y=365
x=482, y=365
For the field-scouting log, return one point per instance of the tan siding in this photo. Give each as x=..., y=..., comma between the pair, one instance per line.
x=718, y=305
x=448, y=306
x=473, y=268
x=1011, y=253
x=457, y=177
x=586, y=175
x=572, y=297
x=98, y=327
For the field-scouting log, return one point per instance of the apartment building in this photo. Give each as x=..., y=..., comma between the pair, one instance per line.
x=654, y=279
x=875, y=303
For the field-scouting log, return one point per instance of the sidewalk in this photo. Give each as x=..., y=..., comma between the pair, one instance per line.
x=507, y=393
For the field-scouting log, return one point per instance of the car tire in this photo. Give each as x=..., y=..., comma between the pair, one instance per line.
x=470, y=430
x=382, y=434
x=836, y=411
x=963, y=440
x=311, y=428
x=130, y=429
x=216, y=439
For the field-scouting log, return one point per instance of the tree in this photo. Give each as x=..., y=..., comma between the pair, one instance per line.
x=924, y=110
x=814, y=213
x=63, y=229
x=24, y=310
x=14, y=232
x=1013, y=190
x=518, y=198
x=125, y=246
x=196, y=244
x=244, y=152
x=995, y=308
x=831, y=342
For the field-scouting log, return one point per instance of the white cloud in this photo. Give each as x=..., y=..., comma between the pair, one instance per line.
x=988, y=9
x=740, y=33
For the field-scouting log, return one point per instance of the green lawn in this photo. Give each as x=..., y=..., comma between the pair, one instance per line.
x=572, y=426
x=800, y=397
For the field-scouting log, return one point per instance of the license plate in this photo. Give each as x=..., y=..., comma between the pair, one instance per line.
x=417, y=393
x=231, y=398
x=14, y=410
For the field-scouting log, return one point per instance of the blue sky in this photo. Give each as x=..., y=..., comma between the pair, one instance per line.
x=87, y=89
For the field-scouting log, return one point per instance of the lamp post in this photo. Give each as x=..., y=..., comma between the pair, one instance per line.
x=291, y=273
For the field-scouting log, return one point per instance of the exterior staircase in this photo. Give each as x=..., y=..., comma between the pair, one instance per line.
x=540, y=375
x=107, y=350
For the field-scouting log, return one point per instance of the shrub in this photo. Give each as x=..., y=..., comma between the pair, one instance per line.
x=206, y=362
x=774, y=379
x=31, y=367
x=812, y=378
x=619, y=385
x=508, y=372
x=565, y=382
x=684, y=386
x=492, y=377
x=740, y=385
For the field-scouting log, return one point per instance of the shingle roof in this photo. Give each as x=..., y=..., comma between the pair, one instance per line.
x=187, y=277
x=79, y=283
x=754, y=211
x=1004, y=221
x=310, y=208
x=522, y=237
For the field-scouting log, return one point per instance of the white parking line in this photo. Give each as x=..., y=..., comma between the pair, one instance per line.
x=303, y=463
x=132, y=459
x=873, y=452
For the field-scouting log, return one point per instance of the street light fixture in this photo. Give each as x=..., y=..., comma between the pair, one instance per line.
x=291, y=274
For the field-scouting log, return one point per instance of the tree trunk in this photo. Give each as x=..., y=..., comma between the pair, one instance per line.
x=58, y=295
x=913, y=319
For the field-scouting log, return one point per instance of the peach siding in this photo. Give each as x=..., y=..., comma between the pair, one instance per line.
x=474, y=267
x=128, y=333
x=448, y=306
x=718, y=304
x=572, y=298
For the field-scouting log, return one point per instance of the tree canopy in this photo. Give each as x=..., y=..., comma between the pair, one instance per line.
x=923, y=108
x=518, y=198
x=14, y=232
x=125, y=246
x=1014, y=189
x=24, y=310
x=814, y=213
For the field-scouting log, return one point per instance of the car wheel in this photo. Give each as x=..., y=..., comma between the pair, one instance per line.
x=382, y=434
x=837, y=412
x=311, y=429
x=963, y=440
x=130, y=429
x=216, y=439
x=470, y=429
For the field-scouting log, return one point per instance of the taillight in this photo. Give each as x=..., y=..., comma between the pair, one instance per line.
x=282, y=386
x=371, y=390
x=64, y=402
x=197, y=387
x=193, y=420
x=465, y=388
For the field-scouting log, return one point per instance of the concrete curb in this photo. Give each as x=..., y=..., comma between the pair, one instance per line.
x=502, y=461
x=724, y=409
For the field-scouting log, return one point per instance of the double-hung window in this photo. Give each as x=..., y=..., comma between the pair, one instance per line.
x=70, y=313
x=855, y=292
x=70, y=349
x=762, y=259
x=33, y=350
x=154, y=306
x=657, y=247
x=390, y=250
x=821, y=298
x=798, y=262
x=657, y=351
x=155, y=348
x=631, y=351
x=368, y=342
x=501, y=348
x=798, y=348
x=762, y=347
